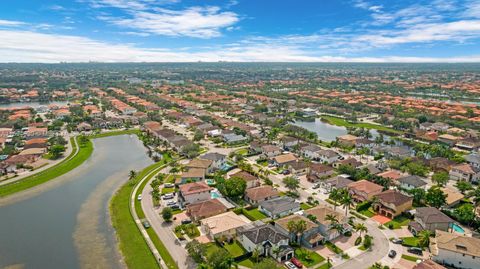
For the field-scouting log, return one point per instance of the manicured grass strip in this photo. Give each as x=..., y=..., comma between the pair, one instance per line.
x=343, y=122
x=325, y=266
x=117, y=132
x=305, y=206
x=367, y=212
x=333, y=247
x=63, y=167
x=410, y=241
x=235, y=249
x=397, y=222
x=253, y=214
x=410, y=258
x=308, y=258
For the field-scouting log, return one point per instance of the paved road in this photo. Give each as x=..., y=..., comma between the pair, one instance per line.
x=164, y=230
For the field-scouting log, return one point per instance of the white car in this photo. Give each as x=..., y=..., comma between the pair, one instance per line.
x=168, y=196
x=290, y=265
x=139, y=198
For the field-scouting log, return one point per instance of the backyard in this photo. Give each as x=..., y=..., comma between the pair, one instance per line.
x=397, y=222
x=253, y=214
x=235, y=249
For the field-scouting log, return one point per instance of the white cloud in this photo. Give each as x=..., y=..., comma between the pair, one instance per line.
x=200, y=22
x=7, y=23
x=26, y=46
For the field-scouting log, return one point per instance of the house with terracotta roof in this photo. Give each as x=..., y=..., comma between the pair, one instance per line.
x=194, y=192
x=465, y=172
x=364, y=190
x=204, y=209
x=350, y=161
x=453, y=197
x=392, y=174
x=251, y=180
x=225, y=224
x=259, y=194
x=391, y=203
x=455, y=250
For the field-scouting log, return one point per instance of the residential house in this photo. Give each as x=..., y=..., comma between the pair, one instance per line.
x=455, y=250
x=225, y=224
x=328, y=156
x=364, y=143
x=324, y=223
x=192, y=174
x=429, y=218
x=364, y=190
x=299, y=167
x=232, y=138
x=218, y=160
x=337, y=182
x=284, y=159
x=255, y=147
x=318, y=171
x=204, y=209
x=251, y=180
x=270, y=151
x=279, y=207
x=473, y=159
x=441, y=164
x=309, y=238
x=440, y=126
x=465, y=172
x=391, y=203
x=449, y=139
x=453, y=197
x=411, y=182
x=204, y=164
x=259, y=194
x=347, y=140
x=468, y=143
x=265, y=238
x=194, y=192
x=373, y=169
x=350, y=161
x=288, y=142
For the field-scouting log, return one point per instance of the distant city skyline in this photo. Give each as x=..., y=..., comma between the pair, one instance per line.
x=239, y=30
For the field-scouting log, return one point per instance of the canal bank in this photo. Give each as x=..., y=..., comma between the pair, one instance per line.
x=67, y=225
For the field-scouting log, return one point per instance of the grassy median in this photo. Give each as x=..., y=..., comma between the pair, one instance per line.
x=132, y=244
x=63, y=167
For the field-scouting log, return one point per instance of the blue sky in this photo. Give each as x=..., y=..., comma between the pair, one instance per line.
x=240, y=30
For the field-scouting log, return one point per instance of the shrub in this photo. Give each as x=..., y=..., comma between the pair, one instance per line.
x=358, y=241
x=363, y=206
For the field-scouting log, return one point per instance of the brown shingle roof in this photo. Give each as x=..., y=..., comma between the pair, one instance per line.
x=244, y=175
x=261, y=193
x=456, y=243
x=194, y=187
x=365, y=186
x=283, y=222
x=393, y=197
x=206, y=209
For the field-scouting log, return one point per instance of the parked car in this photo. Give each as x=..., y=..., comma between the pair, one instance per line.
x=146, y=224
x=392, y=253
x=290, y=265
x=139, y=198
x=296, y=262
x=286, y=172
x=168, y=196
x=186, y=221
x=168, y=185
x=397, y=241
x=170, y=203
x=316, y=186
x=414, y=250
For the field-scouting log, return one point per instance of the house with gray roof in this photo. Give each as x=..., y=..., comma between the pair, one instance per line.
x=265, y=238
x=218, y=160
x=412, y=182
x=279, y=207
x=429, y=218
x=473, y=159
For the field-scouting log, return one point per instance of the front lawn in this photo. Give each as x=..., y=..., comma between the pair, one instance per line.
x=235, y=249
x=333, y=247
x=325, y=266
x=397, y=222
x=410, y=258
x=168, y=190
x=249, y=263
x=367, y=212
x=242, y=151
x=307, y=257
x=253, y=214
x=305, y=206
x=410, y=241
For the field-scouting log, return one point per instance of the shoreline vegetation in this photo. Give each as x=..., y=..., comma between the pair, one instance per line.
x=75, y=159
x=344, y=123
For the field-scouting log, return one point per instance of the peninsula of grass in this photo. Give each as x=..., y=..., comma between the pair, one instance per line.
x=115, y=132
x=345, y=123
x=131, y=242
x=71, y=162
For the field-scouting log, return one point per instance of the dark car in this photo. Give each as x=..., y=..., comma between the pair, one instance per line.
x=286, y=172
x=186, y=221
x=392, y=253
x=146, y=224
x=397, y=241
x=417, y=251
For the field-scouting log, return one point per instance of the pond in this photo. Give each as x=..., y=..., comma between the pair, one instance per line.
x=67, y=224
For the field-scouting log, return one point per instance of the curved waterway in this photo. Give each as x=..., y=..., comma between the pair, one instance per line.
x=65, y=223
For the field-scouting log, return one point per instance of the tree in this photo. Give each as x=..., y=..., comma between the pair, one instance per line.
x=424, y=238
x=464, y=186
x=167, y=214
x=465, y=213
x=220, y=259
x=131, y=176
x=233, y=187
x=56, y=151
x=196, y=250
x=347, y=202
x=267, y=264
x=297, y=228
x=367, y=242
x=361, y=228
x=335, y=195
x=441, y=178
x=291, y=183
x=418, y=195
x=435, y=197
x=332, y=218
x=475, y=195
x=198, y=136
x=256, y=254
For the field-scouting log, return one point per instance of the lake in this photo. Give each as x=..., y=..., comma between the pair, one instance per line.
x=68, y=225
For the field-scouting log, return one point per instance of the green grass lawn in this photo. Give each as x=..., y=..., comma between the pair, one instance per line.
x=115, y=132
x=254, y=214
x=132, y=244
x=242, y=151
x=249, y=263
x=168, y=190
x=398, y=222
x=63, y=167
x=410, y=241
x=343, y=122
x=308, y=258
x=235, y=249
x=410, y=258
x=367, y=213
x=333, y=247
x=305, y=206
x=325, y=266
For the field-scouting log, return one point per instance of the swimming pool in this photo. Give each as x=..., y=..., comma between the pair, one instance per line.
x=215, y=194
x=210, y=181
x=457, y=228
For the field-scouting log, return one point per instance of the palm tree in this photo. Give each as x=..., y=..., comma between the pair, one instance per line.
x=475, y=195
x=347, y=202
x=332, y=218
x=361, y=228
x=256, y=254
x=424, y=238
x=275, y=251
x=297, y=228
x=131, y=176
x=334, y=195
